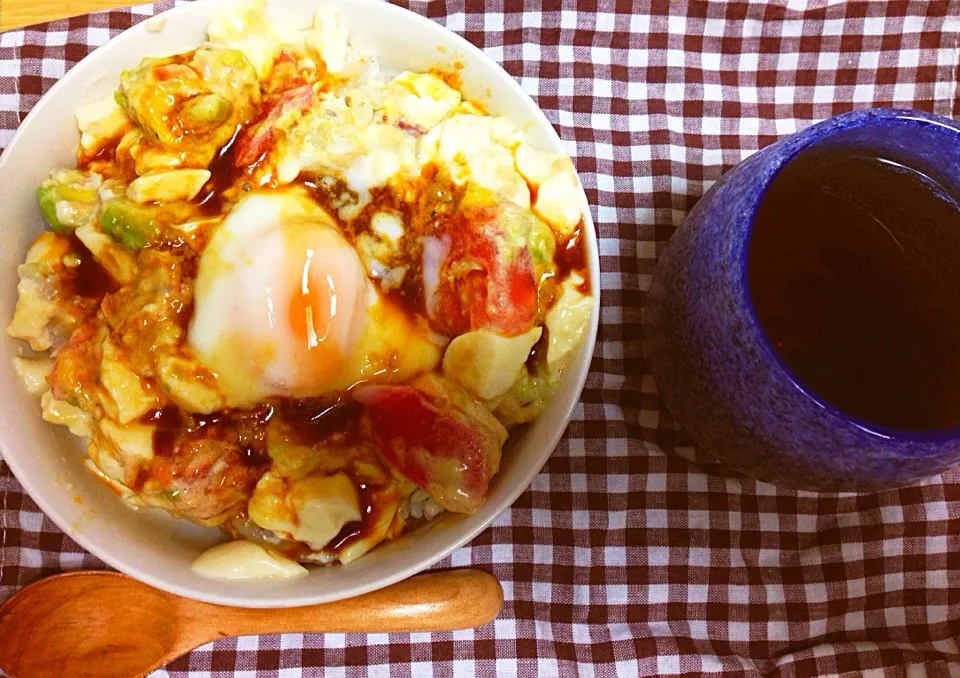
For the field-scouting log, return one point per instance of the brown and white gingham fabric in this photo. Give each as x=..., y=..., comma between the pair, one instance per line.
x=627, y=557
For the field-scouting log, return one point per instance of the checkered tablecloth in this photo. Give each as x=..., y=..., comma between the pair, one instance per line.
x=628, y=555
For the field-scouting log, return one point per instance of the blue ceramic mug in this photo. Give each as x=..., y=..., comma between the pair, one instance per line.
x=715, y=366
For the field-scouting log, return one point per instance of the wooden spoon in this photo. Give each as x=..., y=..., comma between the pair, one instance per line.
x=107, y=625
x=17, y=13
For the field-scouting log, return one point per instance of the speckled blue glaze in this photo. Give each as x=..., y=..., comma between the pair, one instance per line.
x=713, y=364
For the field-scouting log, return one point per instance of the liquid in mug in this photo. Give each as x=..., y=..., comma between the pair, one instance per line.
x=853, y=268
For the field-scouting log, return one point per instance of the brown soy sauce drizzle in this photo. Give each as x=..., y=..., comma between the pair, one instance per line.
x=332, y=194
x=571, y=257
x=245, y=428
x=223, y=175
x=89, y=278
x=313, y=420
x=168, y=422
x=308, y=421
x=356, y=530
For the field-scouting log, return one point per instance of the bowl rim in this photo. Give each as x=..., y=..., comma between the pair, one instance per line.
x=577, y=372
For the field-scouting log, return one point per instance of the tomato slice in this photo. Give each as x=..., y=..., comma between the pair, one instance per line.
x=437, y=438
x=285, y=76
x=254, y=142
x=485, y=281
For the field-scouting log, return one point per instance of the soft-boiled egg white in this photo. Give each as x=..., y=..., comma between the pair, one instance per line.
x=283, y=307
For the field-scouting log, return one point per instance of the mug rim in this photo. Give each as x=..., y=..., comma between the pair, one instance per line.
x=797, y=143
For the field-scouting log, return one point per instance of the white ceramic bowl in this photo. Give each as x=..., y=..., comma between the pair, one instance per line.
x=148, y=544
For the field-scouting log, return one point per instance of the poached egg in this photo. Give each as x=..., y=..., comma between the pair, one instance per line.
x=283, y=307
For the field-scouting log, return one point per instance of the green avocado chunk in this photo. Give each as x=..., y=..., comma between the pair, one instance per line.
x=128, y=223
x=191, y=102
x=206, y=111
x=48, y=196
x=75, y=193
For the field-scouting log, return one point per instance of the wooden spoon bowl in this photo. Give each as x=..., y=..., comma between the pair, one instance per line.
x=107, y=625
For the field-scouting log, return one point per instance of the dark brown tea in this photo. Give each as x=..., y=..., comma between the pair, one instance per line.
x=853, y=267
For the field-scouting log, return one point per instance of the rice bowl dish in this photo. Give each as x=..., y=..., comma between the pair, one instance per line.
x=293, y=295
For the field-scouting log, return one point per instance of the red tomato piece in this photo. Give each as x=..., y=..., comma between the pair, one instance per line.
x=437, y=437
x=285, y=76
x=485, y=282
x=255, y=141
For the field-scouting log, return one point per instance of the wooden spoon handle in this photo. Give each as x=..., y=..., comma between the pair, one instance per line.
x=440, y=601
x=17, y=13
